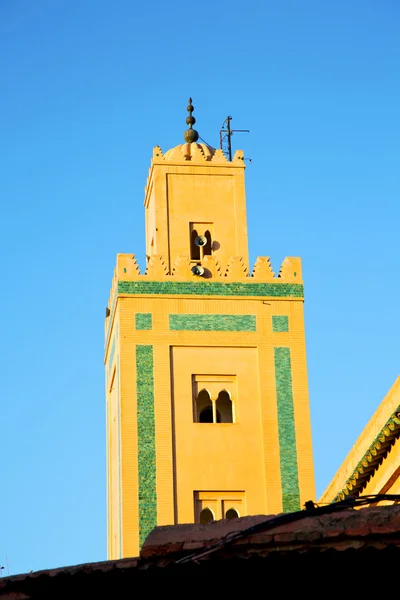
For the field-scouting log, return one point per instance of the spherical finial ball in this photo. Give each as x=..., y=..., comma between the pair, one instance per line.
x=190, y=108
x=190, y=120
x=190, y=136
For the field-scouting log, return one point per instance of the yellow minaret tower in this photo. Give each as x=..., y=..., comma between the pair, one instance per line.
x=206, y=376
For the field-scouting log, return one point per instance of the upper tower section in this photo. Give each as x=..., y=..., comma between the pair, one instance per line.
x=195, y=203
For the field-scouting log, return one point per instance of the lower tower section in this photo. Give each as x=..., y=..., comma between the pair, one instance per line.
x=207, y=397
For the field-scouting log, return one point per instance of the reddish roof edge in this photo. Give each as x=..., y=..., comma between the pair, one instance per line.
x=377, y=527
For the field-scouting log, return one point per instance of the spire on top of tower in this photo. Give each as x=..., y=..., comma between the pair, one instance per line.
x=191, y=149
x=190, y=135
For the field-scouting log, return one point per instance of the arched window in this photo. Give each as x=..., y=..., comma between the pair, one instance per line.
x=232, y=513
x=194, y=249
x=203, y=408
x=224, y=407
x=206, y=415
x=207, y=249
x=206, y=410
x=206, y=516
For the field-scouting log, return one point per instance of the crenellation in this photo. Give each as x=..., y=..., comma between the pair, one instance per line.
x=219, y=157
x=156, y=267
x=236, y=269
x=291, y=269
x=128, y=269
x=197, y=153
x=212, y=267
x=157, y=152
x=262, y=269
x=181, y=268
x=238, y=157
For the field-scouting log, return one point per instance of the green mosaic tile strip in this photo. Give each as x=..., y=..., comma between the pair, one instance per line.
x=212, y=322
x=287, y=431
x=214, y=288
x=280, y=323
x=143, y=321
x=146, y=441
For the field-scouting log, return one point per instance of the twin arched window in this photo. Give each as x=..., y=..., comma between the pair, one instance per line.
x=207, y=515
x=208, y=410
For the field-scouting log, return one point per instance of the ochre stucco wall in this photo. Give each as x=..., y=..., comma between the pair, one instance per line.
x=166, y=327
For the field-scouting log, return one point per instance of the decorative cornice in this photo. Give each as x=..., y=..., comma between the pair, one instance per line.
x=196, y=153
x=127, y=269
x=234, y=280
x=372, y=458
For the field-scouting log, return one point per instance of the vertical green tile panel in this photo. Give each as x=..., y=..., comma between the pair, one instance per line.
x=280, y=323
x=287, y=431
x=146, y=441
x=143, y=321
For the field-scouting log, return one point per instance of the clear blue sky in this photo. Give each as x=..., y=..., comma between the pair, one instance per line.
x=88, y=88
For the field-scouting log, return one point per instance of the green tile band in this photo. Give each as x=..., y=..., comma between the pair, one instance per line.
x=212, y=322
x=214, y=288
x=146, y=441
x=287, y=431
x=280, y=323
x=143, y=321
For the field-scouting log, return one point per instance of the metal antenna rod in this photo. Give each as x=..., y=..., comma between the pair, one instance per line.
x=225, y=136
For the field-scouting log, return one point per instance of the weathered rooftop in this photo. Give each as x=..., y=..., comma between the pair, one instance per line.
x=234, y=550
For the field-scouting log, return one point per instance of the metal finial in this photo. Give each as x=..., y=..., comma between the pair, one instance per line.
x=190, y=134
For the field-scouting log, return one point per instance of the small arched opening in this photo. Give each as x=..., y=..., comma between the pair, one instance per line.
x=194, y=248
x=207, y=248
x=203, y=408
x=206, y=516
x=224, y=407
x=206, y=415
x=232, y=513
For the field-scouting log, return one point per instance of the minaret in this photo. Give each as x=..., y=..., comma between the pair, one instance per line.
x=206, y=376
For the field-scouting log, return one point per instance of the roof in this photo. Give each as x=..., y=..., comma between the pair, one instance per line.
x=234, y=550
x=369, y=451
x=189, y=151
x=372, y=458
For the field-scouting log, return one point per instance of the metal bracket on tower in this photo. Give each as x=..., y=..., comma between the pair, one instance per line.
x=225, y=136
